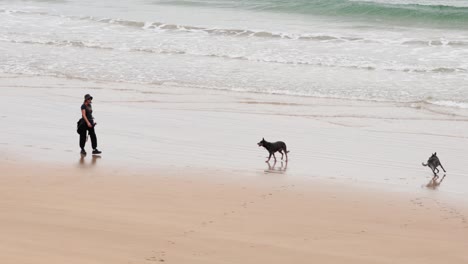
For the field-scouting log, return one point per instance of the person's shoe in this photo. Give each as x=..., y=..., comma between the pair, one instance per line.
x=96, y=152
x=83, y=152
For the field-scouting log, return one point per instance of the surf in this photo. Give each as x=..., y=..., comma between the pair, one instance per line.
x=440, y=12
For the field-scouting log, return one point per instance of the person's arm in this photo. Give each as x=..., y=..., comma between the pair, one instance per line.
x=83, y=113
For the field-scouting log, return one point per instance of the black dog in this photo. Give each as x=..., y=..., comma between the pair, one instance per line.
x=274, y=147
x=433, y=162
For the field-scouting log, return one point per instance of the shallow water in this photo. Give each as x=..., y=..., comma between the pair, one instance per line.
x=401, y=51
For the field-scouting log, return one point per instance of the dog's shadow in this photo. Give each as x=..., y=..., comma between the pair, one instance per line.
x=435, y=182
x=273, y=168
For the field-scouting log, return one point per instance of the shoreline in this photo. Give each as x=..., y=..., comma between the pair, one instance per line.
x=414, y=104
x=160, y=126
x=380, y=145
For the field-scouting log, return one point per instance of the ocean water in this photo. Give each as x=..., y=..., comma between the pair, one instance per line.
x=388, y=50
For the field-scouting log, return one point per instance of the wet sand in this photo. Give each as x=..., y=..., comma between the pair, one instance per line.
x=181, y=179
x=374, y=144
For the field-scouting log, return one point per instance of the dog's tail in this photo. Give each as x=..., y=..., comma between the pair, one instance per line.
x=287, y=151
x=424, y=164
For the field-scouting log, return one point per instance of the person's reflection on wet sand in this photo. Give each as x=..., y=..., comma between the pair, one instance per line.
x=273, y=169
x=83, y=164
x=435, y=182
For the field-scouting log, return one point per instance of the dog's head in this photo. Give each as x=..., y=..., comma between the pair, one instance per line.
x=260, y=144
x=434, y=154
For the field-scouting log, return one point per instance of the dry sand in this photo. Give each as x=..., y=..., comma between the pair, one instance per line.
x=182, y=180
x=64, y=215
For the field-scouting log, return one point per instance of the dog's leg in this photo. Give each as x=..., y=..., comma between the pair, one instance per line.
x=269, y=165
x=286, y=153
x=441, y=180
x=442, y=167
x=274, y=156
x=269, y=157
x=433, y=170
x=281, y=154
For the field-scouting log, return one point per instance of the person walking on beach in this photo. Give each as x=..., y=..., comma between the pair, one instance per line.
x=87, y=124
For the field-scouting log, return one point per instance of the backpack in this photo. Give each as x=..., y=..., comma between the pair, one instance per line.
x=80, y=126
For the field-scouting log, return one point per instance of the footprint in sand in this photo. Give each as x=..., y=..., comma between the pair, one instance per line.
x=157, y=259
x=207, y=223
x=151, y=259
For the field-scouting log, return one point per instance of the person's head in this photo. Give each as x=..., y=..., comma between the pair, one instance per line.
x=87, y=99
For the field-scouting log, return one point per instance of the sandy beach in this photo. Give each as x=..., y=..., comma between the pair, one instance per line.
x=362, y=93
x=181, y=179
x=88, y=215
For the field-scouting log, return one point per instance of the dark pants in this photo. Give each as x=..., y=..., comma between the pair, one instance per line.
x=92, y=135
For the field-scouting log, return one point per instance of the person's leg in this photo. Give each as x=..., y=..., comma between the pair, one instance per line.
x=92, y=135
x=82, y=139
